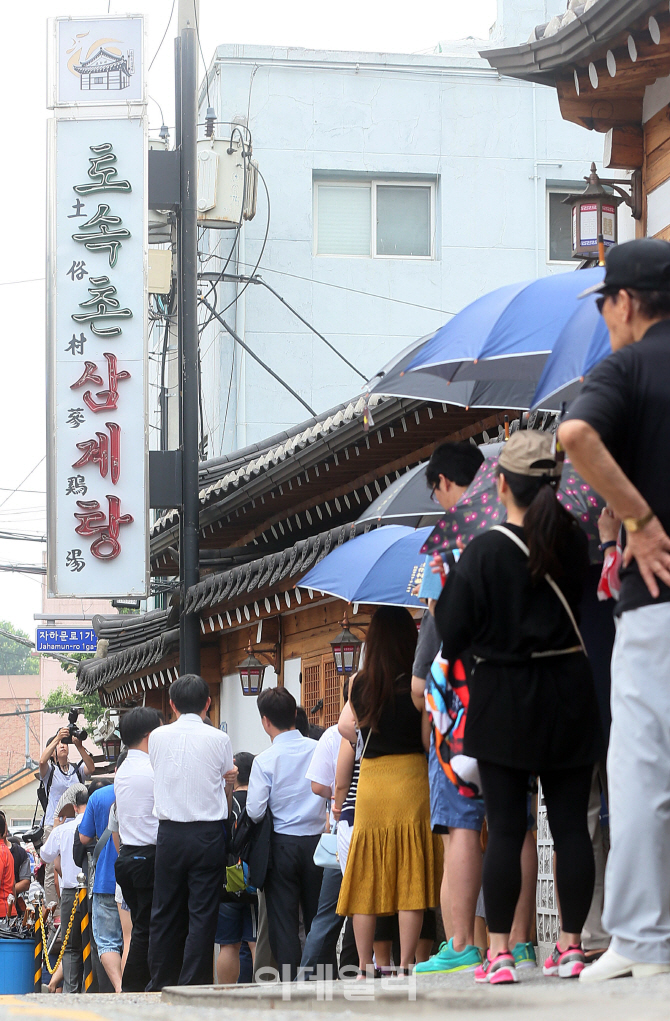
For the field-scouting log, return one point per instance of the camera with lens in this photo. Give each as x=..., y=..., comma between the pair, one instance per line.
x=73, y=729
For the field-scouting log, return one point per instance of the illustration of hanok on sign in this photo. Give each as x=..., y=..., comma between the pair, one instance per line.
x=109, y=397
x=92, y=522
x=105, y=452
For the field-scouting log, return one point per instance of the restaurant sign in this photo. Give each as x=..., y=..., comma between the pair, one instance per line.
x=96, y=366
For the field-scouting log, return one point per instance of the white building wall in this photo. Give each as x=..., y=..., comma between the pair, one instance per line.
x=491, y=145
x=240, y=712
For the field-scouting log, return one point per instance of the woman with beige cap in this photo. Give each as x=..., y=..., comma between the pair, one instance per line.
x=512, y=602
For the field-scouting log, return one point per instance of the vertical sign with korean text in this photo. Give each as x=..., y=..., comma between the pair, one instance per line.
x=97, y=254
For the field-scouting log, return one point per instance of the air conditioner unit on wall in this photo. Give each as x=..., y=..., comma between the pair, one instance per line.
x=222, y=191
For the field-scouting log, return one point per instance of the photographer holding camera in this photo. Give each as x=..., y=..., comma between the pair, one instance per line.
x=57, y=774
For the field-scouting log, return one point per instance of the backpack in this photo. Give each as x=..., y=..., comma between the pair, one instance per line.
x=447, y=698
x=237, y=869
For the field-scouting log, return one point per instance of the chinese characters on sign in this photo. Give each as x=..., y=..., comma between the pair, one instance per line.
x=97, y=471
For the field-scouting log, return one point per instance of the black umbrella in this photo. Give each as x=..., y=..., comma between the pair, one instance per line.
x=407, y=502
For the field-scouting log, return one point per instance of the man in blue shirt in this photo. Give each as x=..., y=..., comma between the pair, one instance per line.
x=107, y=931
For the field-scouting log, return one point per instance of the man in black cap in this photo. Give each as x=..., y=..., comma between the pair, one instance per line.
x=617, y=434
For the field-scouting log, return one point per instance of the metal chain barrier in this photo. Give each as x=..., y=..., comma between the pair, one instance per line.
x=65, y=941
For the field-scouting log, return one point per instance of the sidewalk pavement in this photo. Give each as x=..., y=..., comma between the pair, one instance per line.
x=453, y=997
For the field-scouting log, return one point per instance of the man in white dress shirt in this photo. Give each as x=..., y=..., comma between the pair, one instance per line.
x=59, y=844
x=138, y=831
x=278, y=782
x=193, y=786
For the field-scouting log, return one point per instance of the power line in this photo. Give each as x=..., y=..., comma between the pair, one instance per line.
x=167, y=27
x=204, y=63
x=352, y=290
x=23, y=568
x=259, y=280
x=31, y=645
x=256, y=358
x=265, y=241
x=30, y=280
x=22, y=537
x=23, y=480
x=6, y=489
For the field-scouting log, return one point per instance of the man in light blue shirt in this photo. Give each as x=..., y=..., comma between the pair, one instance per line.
x=278, y=782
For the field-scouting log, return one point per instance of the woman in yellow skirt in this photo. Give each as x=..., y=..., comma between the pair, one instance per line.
x=394, y=863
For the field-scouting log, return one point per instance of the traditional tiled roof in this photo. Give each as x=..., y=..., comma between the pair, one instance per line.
x=249, y=581
x=102, y=60
x=94, y=673
x=569, y=38
x=223, y=475
x=141, y=642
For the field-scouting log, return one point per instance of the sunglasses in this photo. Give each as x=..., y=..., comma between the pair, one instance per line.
x=600, y=301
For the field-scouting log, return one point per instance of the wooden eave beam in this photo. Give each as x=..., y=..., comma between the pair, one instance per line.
x=617, y=101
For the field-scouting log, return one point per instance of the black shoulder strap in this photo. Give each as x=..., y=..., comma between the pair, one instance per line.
x=47, y=786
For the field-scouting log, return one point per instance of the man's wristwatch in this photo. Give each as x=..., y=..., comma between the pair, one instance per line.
x=637, y=524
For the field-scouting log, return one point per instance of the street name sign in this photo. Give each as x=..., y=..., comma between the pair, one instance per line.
x=65, y=639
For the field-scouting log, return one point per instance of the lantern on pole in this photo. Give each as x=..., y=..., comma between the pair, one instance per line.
x=346, y=650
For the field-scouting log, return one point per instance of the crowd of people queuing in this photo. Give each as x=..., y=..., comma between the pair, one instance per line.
x=421, y=798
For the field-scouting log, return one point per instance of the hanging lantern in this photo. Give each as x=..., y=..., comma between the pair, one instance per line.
x=111, y=747
x=594, y=218
x=346, y=650
x=251, y=672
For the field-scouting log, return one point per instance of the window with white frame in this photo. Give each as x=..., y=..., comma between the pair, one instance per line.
x=559, y=224
x=378, y=219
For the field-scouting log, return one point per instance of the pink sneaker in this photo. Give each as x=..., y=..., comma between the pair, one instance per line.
x=565, y=963
x=496, y=970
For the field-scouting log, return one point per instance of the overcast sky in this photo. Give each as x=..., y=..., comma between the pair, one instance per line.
x=350, y=24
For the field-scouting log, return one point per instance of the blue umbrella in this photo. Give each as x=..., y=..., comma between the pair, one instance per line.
x=584, y=342
x=380, y=567
x=462, y=335
x=509, y=333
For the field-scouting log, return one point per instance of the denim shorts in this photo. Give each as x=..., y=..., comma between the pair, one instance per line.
x=107, y=931
x=451, y=810
x=448, y=808
x=238, y=923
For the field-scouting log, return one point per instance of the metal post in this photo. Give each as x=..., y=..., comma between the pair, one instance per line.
x=37, y=987
x=189, y=632
x=29, y=760
x=82, y=895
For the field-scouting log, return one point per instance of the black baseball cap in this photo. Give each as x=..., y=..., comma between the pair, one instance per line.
x=642, y=265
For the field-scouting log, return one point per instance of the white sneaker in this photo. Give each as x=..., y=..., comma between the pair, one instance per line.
x=614, y=965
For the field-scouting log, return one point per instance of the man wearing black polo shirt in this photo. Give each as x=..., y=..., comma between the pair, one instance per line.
x=617, y=434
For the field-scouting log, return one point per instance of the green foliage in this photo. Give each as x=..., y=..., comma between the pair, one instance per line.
x=62, y=696
x=71, y=668
x=14, y=657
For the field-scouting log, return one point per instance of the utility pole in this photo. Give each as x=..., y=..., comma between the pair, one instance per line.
x=186, y=82
x=29, y=760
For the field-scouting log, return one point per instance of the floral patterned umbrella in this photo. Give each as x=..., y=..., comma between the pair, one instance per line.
x=479, y=509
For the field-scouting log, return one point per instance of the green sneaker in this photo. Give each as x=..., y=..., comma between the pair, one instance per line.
x=524, y=955
x=448, y=960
